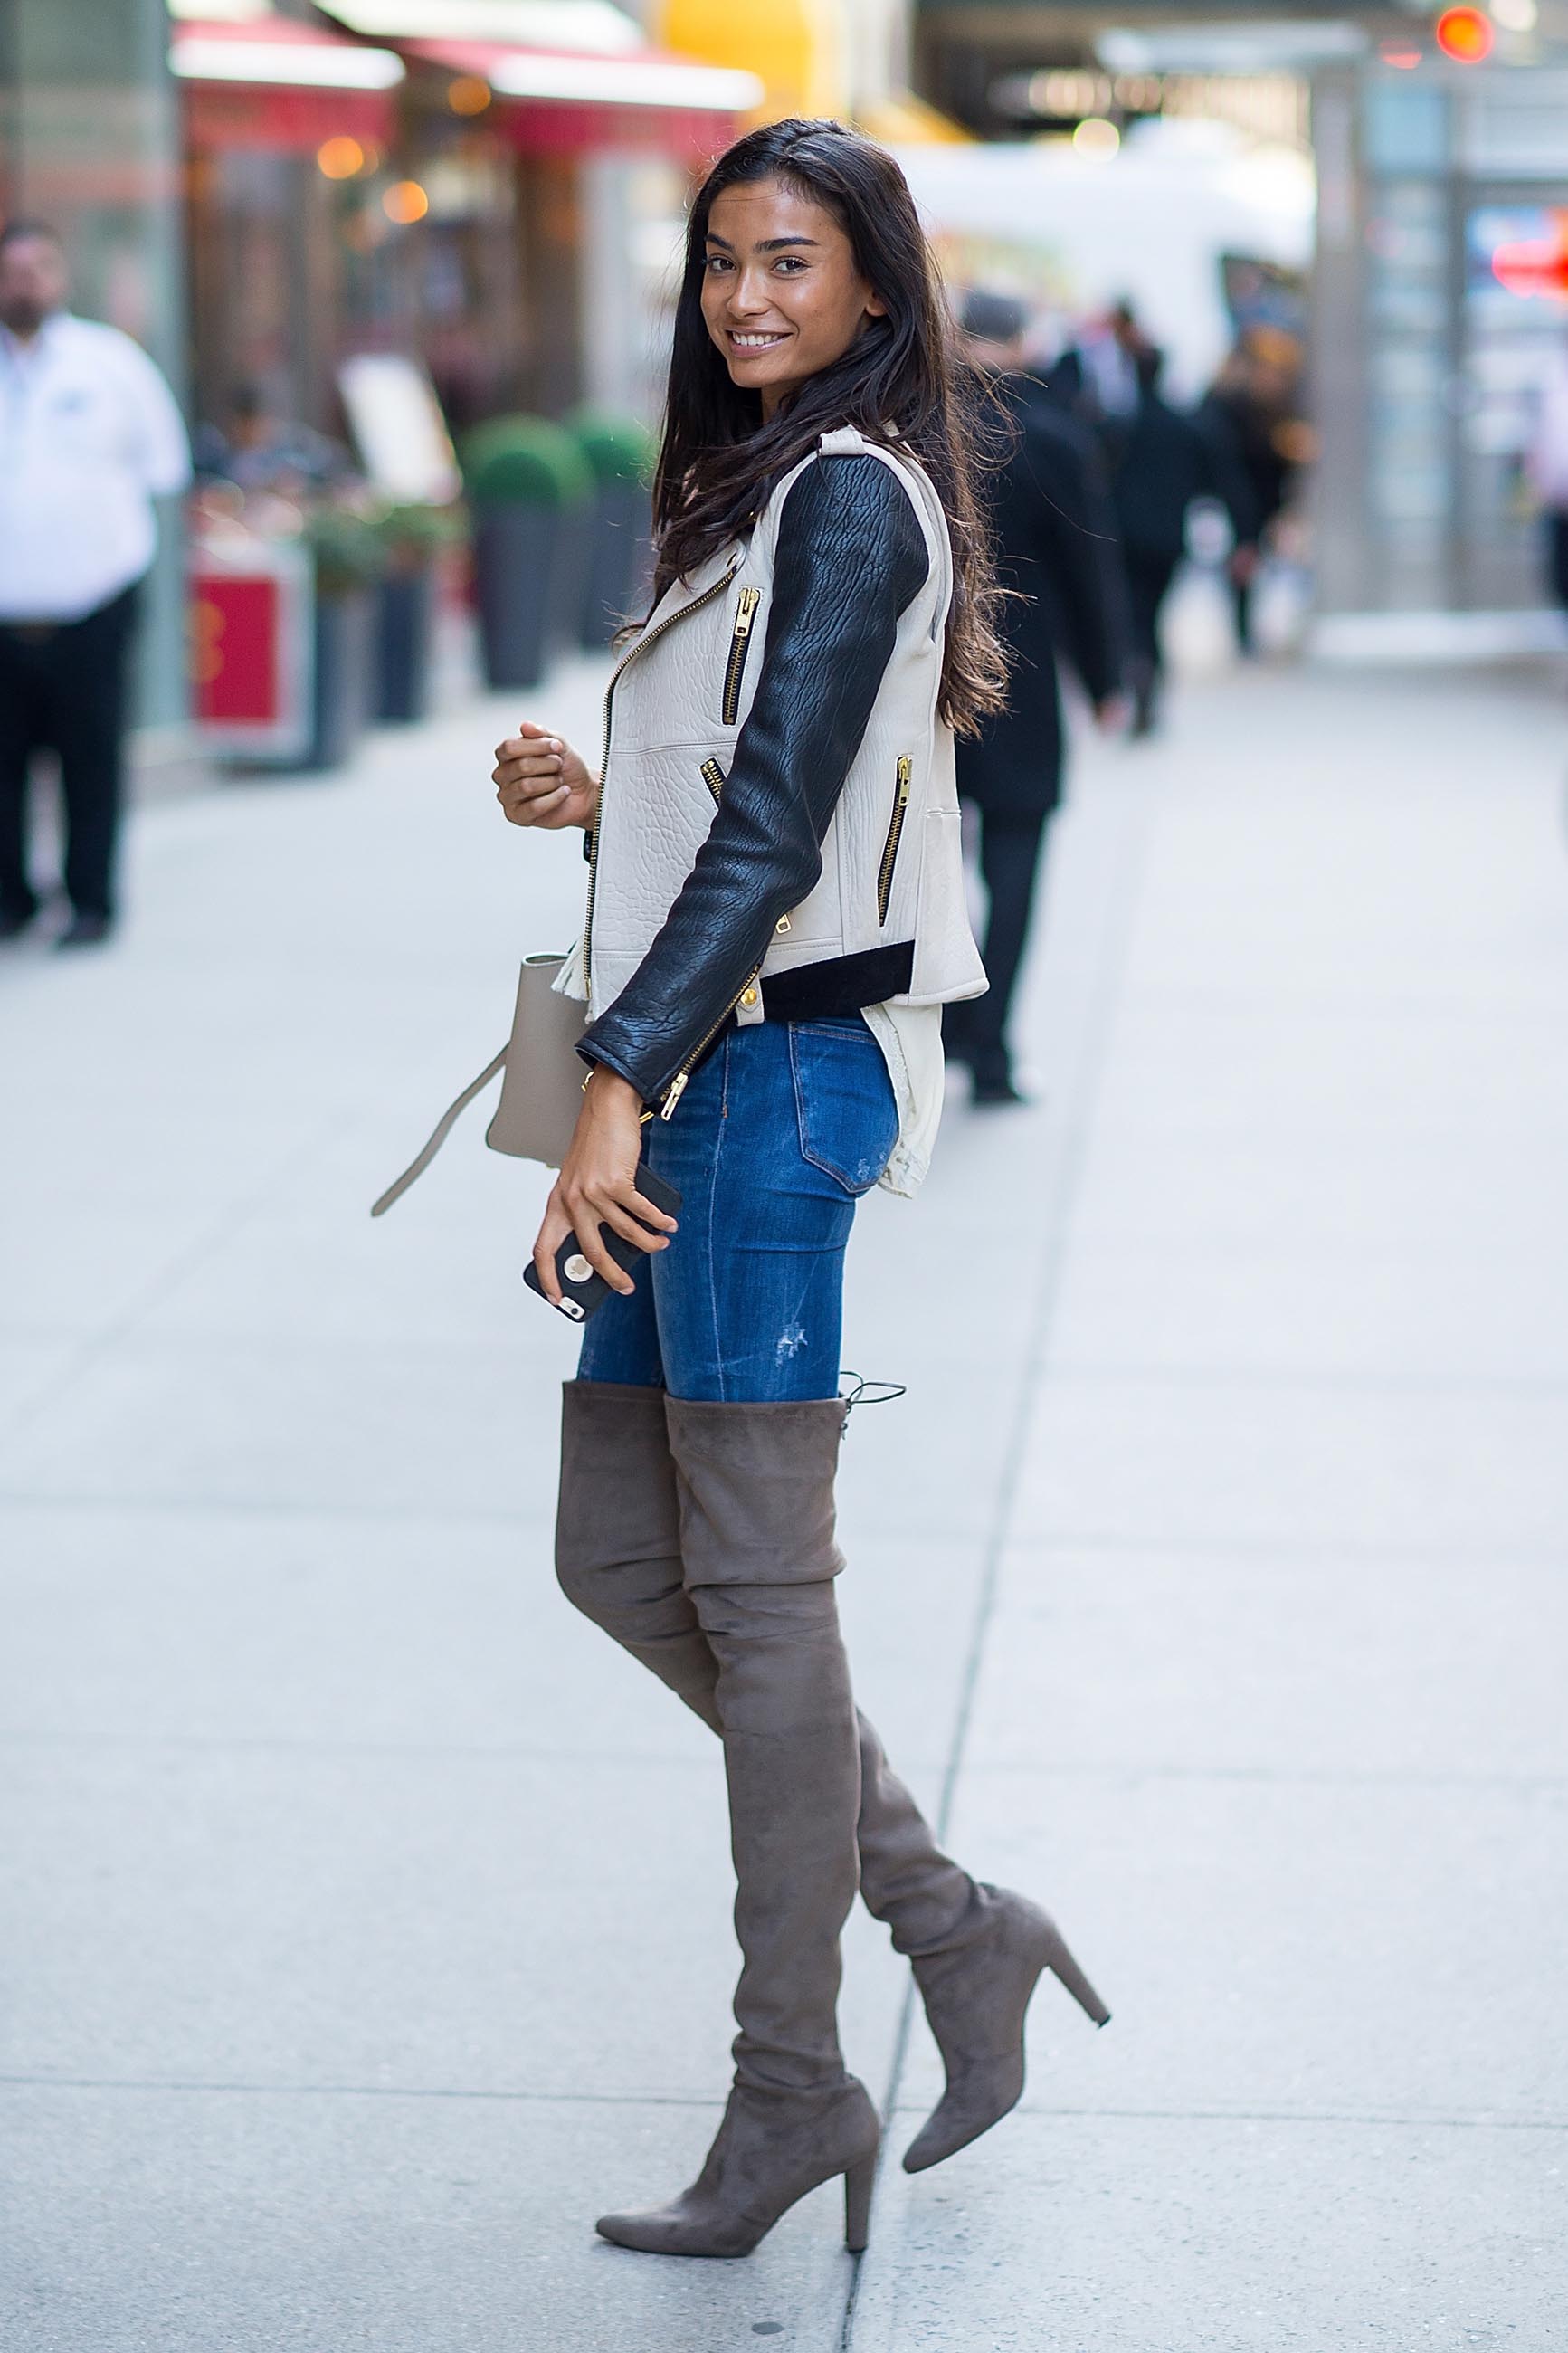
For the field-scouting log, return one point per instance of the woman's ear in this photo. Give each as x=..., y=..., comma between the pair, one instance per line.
x=874, y=306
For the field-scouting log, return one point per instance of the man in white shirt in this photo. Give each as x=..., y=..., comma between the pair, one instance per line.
x=89, y=434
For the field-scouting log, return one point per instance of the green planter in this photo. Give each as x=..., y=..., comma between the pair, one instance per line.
x=345, y=690
x=412, y=540
x=404, y=645
x=349, y=561
x=530, y=494
x=622, y=455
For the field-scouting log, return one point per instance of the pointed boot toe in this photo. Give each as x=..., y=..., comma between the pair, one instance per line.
x=682, y=2228
x=976, y=2001
x=771, y=2151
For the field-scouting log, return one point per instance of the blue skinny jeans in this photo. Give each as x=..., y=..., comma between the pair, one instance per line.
x=775, y=1138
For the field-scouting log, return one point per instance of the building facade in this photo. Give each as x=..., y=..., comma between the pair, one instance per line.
x=90, y=142
x=1439, y=289
x=260, y=190
x=1441, y=307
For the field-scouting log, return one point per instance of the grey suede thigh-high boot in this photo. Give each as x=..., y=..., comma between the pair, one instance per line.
x=618, y=1535
x=977, y=1951
x=618, y=1560
x=756, y=1485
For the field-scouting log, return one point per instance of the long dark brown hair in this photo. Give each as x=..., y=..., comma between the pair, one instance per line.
x=720, y=458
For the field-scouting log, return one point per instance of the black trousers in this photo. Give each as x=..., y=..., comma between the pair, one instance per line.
x=63, y=690
x=1148, y=579
x=1241, y=614
x=1010, y=866
x=1557, y=554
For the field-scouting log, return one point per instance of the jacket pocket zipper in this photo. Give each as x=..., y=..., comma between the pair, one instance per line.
x=713, y=777
x=676, y=1086
x=890, y=847
x=740, y=644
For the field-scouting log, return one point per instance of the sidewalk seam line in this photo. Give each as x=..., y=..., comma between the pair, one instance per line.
x=1110, y=969
x=1390, y=2120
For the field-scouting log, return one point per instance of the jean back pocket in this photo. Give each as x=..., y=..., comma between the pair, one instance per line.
x=844, y=1103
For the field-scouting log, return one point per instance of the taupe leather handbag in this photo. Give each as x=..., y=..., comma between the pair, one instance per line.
x=542, y=1080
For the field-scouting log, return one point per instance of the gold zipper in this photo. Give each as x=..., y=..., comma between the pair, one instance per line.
x=890, y=847
x=631, y=653
x=740, y=640
x=676, y=1086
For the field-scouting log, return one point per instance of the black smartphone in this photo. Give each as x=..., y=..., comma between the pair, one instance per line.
x=582, y=1291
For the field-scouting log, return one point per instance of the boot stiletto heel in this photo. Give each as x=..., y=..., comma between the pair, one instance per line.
x=771, y=2151
x=1062, y=1966
x=976, y=1998
x=857, y=2185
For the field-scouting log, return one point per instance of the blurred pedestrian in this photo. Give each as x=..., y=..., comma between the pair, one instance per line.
x=1546, y=464
x=775, y=918
x=1160, y=463
x=258, y=450
x=1093, y=372
x=89, y=434
x=1247, y=416
x=1055, y=535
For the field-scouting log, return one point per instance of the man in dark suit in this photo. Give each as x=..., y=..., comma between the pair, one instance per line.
x=1160, y=461
x=1057, y=548
x=1247, y=416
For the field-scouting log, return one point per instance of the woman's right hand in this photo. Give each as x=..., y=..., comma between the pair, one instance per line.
x=540, y=780
x=597, y=1186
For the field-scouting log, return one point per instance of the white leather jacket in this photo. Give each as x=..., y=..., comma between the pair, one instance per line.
x=891, y=874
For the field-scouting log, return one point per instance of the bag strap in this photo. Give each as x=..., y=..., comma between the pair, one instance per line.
x=443, y=1129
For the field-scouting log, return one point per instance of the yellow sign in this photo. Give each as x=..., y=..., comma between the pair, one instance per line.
x=795, y=46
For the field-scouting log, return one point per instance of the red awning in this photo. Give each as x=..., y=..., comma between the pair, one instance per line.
x=559, y=101
x=274, y=83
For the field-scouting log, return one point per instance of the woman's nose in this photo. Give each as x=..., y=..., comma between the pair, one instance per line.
x=749, y=294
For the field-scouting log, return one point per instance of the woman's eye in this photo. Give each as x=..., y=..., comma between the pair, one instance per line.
x=790, y=264
x=715, y=262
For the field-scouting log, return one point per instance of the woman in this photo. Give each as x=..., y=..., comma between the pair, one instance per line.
x=775, y=918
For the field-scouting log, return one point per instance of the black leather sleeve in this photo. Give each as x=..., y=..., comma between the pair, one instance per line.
x=850, y=557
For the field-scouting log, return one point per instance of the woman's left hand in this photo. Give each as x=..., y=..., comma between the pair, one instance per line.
x=597, y=1186
x=540, y=781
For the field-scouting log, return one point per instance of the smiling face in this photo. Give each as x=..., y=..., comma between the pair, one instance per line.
x=781, y=294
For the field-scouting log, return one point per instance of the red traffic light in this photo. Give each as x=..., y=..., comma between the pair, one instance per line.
x=1465, y=35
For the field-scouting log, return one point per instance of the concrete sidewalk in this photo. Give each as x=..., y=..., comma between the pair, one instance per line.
x=367, y=1913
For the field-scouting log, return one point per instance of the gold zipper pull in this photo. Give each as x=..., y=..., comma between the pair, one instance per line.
x=904, y=772
x=677, y=1088
x=746, y=611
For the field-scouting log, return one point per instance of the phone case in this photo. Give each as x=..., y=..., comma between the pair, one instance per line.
x=583, y=1292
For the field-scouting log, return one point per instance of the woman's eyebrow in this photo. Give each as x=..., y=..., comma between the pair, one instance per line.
x=767, y=245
